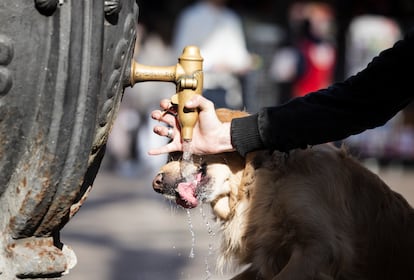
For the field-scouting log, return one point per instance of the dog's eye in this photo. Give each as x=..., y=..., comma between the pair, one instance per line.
x=174, y=156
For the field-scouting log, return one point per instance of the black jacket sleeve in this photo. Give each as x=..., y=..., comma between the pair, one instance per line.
x=366, y=100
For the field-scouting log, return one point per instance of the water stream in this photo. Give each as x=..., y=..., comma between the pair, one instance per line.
x=211, y=234
x=188, y=169
x=190, y=226
x=188, y=173
x=187, y=155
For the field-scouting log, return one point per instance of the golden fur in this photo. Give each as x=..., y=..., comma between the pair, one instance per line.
x=310, y=214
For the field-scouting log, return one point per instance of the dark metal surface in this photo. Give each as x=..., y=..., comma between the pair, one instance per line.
x=61, y=69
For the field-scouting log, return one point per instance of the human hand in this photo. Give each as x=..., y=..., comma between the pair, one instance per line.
x=210, y=135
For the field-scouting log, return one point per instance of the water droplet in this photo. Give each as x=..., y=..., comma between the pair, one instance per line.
x=187, y=155
x=211, y=233
x=190, y=225
x=188, y=169
x=207, y=223
x=208, y=273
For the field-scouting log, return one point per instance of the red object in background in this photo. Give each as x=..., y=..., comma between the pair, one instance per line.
x=319, y=62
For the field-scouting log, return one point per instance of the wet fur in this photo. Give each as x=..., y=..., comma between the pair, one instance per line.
x=310, y=214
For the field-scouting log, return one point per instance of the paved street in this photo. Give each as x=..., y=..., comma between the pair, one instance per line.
x=125, y=231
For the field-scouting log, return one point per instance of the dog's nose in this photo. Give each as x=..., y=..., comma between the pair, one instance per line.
x=157, y=183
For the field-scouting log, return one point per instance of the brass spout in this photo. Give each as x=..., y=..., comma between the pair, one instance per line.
x=187, y=75
x=145, y=73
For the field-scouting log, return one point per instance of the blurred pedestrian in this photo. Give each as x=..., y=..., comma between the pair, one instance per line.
x=218, y=32
x=307, y=62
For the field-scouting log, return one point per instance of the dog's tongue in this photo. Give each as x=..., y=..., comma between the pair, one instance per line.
x=187, y=192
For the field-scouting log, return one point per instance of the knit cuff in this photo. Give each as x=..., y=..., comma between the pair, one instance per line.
x=245, y=136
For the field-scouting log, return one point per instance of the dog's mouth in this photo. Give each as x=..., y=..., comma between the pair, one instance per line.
x=188, y=192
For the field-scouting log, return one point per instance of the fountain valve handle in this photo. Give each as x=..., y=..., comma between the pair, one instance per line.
x=187, y=75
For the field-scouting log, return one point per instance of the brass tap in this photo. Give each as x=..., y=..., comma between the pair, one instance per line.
x=187, y=75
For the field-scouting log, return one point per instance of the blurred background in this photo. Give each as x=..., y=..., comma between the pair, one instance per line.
x=256, y=53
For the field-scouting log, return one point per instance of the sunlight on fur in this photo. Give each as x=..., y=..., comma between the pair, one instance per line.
x=313, y=213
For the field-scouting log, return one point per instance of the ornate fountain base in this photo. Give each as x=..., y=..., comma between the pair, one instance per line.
x=62, y=66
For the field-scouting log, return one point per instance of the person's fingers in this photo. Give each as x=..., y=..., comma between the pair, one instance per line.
x=164, y=131
x=158, y=151
x=171, y=147
x=165, y=117
x=201, y=102
x=156, y=114
x=165, y=104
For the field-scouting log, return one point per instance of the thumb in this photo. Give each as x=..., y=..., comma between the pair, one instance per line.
x=198, y=101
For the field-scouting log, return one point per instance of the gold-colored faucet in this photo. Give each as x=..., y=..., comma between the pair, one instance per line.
x=187, y=75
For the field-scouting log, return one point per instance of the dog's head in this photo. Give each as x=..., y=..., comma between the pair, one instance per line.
x=210, y=179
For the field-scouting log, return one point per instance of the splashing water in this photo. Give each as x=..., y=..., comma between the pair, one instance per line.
x=190, y=225
x=208, y=273
x=206, y=221
x=188, y=171
x=187, y=155
x=212, y=234
x=187, y=164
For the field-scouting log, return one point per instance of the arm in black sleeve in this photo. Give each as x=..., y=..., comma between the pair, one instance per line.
x=366, y=100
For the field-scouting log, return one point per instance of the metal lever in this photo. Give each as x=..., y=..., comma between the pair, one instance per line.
x=187, y=75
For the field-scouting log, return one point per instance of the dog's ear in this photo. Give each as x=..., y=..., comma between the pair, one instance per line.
x=226, y=115
x=259, y=159
x=267, y=159
x=221, y=207
x=248, y=177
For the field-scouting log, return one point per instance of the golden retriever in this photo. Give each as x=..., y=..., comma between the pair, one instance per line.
x=311, y=213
